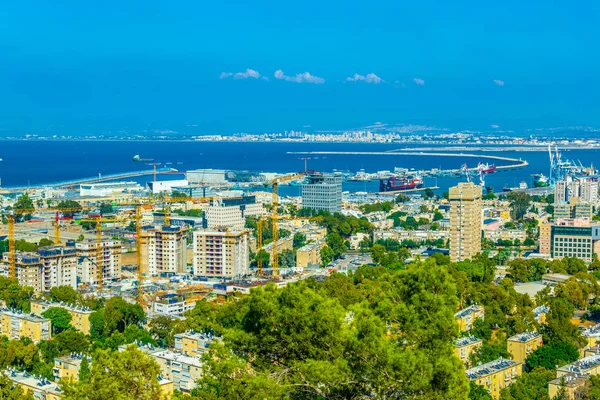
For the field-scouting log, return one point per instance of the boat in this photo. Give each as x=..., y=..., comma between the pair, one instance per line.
x=488, y=169
x=398, y=184
x=137, y=158
x=522, y=186
x=540, y=180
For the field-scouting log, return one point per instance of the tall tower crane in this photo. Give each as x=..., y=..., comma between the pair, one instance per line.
x=275, y=216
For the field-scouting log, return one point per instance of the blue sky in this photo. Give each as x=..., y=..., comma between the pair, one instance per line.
x=73, y=67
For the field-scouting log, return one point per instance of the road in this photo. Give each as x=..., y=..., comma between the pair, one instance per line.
x=351, y=262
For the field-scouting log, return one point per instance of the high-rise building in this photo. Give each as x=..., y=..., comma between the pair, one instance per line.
x=465, y=221
x=560, y=192
x=231, y=212
x=48, y=267
x=87, y=270
x=323, y=192
x=164, y=250
x=588, y=190
x=223, y=254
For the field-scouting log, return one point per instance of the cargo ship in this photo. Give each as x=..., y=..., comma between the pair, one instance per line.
x=394, y=184
x=488, y=169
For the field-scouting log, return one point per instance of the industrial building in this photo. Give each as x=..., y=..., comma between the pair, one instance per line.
x=166, y=186
x=108, y=189
x=221, y=253
x=207, y=176
x=322, y=192
x=465, y=221
x=164, y=250
x=87, y=266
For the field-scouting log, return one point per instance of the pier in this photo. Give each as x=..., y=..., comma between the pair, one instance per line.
x=515, y=162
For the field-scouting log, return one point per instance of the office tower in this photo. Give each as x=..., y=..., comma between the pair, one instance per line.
x=323, y=192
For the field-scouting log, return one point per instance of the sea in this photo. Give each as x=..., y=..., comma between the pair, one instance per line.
x=39, y=162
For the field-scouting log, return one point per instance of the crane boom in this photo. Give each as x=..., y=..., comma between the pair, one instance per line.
x=138, y=245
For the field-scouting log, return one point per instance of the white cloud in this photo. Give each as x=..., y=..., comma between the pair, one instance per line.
x=419, y=81
x=248, y=73
x=499, y=82
x=305, y=77
x=370, y=78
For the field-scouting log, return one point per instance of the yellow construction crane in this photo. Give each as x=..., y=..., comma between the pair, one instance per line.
x=274, y=215
x=138, y=246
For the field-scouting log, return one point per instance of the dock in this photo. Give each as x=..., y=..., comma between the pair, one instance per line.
x=396, y=192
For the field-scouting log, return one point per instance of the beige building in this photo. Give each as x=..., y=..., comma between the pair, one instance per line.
x=465, y=221
x=67, y=367
x=48, y=267
x=80, y=316
x=464, y=346
x=496, y=375
x=231, y=217
x=467, y=316
x=571, y=383
x=164, y=250
x=192, y=343
x=87, y=253
x=589, y=365
x=39, y=388
x=520, y=346
x=309, y=256
x=571, y=238
x=221, y=253
x=15, y=325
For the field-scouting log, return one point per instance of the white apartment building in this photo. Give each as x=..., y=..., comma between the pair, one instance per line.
x=231, y=217
x=87, y=270
x=163, y=250
x=221, y=254
x=48, y=267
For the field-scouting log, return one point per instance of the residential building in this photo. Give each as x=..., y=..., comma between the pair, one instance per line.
x=322, y=192
x=588, y=190
x=464, y=346
x=505, y=234
x=172, y=305
x=309, y=256
x=589, y=365
x=467, y=316
x=192, y=343
x=540, y=313
x=562, y=210
x=583, y=210
x=40, y=388
x=592, y=335
x=80, y=316
x=523, y=344
x=46, y=268
x=570, y=383
x=87, y=267
x=16, y=324
x=219, y=216
x=496, y=375
x=67, y=367
x=163, y=250
x=560, y=192
x=465, y=221
x=221, y=253
x=571, y=238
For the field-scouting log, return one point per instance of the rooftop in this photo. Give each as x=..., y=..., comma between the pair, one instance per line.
x=582, y=365
x=524, y=337
x=32, y=381
x=593, y=331
x=490, y=368
x=543, y=309
x=70, y=307
x=467, y=340
x=570, y=380
x=22, y=315
x=469, y=310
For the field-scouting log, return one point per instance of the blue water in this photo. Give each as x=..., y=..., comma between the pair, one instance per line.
x=39, y=162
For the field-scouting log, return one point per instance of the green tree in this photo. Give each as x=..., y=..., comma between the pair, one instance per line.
x=478, y=392
x=106, y=208
x=65, y=294
x=299, y=240
x=118, y=314
x=428, y=194
x=9, y=391
x=64, y=343
x=326, y=255
x=529, y=386
x=336, y=243
x=117, y=375
x=84, y=370
x=69, y=207
x=551, y=355
x=519, y=203
x=60, y=317
x=163, y=329
x=265, y=256
x=24, y=208
x=45, y=242
x=287, y=258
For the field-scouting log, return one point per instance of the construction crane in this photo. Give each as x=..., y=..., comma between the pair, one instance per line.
x=274, y=216
x=259, y=245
